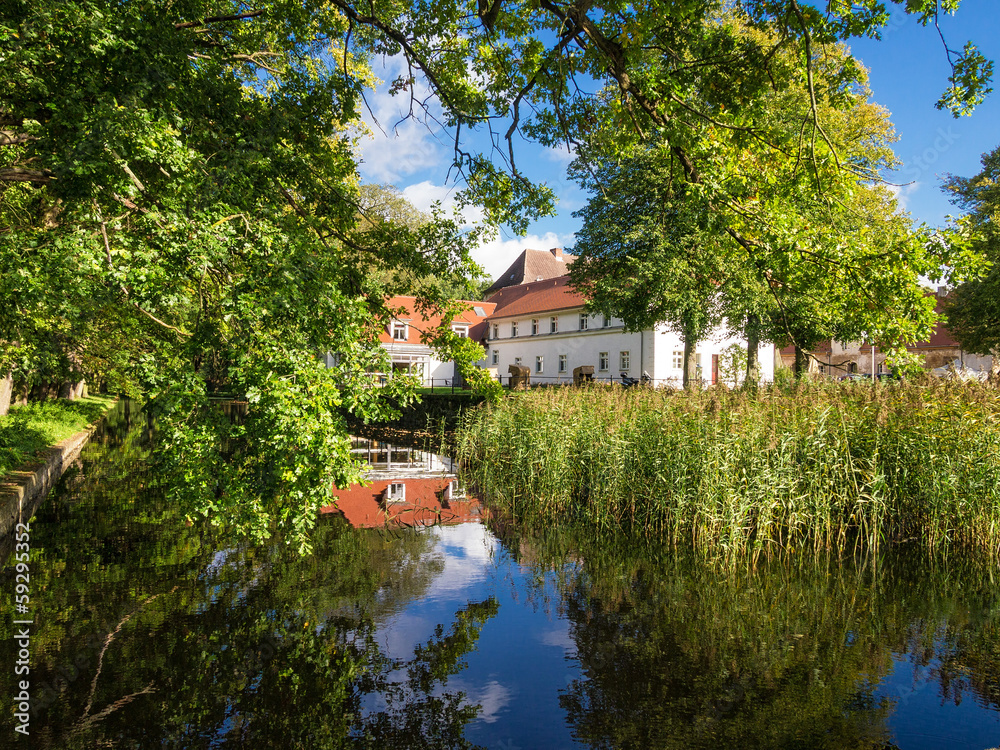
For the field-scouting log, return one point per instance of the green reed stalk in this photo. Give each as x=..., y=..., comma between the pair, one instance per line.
x=810, y=466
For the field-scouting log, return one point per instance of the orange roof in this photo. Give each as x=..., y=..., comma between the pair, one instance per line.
x=532, y=265
x=425, y=504
x=417, y=320
x=546, y=296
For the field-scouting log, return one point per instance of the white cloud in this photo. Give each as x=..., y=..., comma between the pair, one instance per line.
x=903, y=193
x=496, y=254
x=560, y=638
x=424, y=195
x=492, y=699
x=398, y=145
x=561, y=155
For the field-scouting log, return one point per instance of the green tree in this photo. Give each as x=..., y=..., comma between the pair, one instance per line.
x=796, y=249
x=386, y=204
x=180, y=198
x=182, y=212
x=649, y=252
x=973, y=310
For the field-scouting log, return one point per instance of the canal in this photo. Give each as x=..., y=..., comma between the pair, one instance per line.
x=423, y=621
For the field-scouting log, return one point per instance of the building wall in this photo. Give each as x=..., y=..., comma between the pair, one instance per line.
x=839, y=360
x=650, y=351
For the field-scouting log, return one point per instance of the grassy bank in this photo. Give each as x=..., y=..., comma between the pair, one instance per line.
x=26, y=430
x=807, y=466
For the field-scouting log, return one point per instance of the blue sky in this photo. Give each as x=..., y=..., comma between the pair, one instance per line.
x=909, y=72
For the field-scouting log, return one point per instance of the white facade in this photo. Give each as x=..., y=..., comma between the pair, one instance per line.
x=553, y=343
x=420, y=360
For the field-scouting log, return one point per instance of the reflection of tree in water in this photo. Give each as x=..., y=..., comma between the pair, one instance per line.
x=149, y=635
x=679, y=653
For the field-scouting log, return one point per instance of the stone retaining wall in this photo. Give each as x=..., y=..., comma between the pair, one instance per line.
x=22, y=491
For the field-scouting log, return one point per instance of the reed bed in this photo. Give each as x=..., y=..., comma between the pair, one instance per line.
x=805, y=466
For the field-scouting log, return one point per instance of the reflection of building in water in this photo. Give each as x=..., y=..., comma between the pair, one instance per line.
x=406, y=486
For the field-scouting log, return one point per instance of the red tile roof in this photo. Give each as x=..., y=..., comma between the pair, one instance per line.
x=477, y=323
x=532, y=265
x=425, y=505
x=940, y=336
x=541, y=297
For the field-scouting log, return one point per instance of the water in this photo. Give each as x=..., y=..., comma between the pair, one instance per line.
x=150, y=633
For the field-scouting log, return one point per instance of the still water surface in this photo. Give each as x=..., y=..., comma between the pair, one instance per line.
x=150, y=633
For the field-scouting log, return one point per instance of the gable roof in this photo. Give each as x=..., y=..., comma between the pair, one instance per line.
x=474, y=315
x=530, y=266
x=546, y=296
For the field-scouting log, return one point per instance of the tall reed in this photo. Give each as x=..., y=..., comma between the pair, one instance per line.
x=812, y=465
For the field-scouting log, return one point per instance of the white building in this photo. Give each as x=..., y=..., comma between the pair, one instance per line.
x=543, y=326
x=402, y=338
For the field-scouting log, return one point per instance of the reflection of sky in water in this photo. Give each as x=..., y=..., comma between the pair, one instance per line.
x=526, y=656
x=520, y=663
x=923, y=718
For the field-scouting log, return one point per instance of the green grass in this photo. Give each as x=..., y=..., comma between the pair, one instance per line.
x=26, y=430
x=821, y=466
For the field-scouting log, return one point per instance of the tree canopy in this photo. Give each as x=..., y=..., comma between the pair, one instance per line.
x=973, y=309
x=181, y=211
x=791, y=231
x=182, y=215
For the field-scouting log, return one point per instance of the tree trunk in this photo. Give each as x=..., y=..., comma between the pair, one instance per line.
x=753, y=343
x=801, y=362
x=6, y=388
x=690, y=362
x=995, y=367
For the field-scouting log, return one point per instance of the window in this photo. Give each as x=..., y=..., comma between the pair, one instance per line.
x=539, y=363
x=496, y=357
x=517, y=361
x=513, y=330
x=399, y=332
x=678, y=360
x=584, y=321
x=624, y=361
x=562, y=363
x=607, y=321
x=603, y=361
x=534, y=326
x=395, y=493
x=496, y=331
x=461, y=331
x=553, y=324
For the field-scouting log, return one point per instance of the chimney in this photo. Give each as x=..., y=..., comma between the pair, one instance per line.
x=556, y=253
x=942, y=292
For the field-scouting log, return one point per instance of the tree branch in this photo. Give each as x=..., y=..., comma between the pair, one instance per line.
x=807, y=42
x=8, y=138
x=400, y=39
x=218, y=19
x=18, y=174
x=136, y=305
